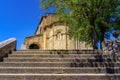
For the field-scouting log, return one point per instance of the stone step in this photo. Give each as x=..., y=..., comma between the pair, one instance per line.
x=96, y=60
x=55, y=64
x=84, y=55
x=60, y=55
x=95, y=64
x=64, y=59
x=74, y=59
x=79, y=62
x=35, y=64
x=60, y=51
x=60, y=76
x=34, y=59
x=43, y=55
x=31, y=52
x=57, y=70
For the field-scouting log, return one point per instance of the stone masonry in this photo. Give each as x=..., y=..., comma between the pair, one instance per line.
x=53, y=35
x=7, y=47
x=112, y=47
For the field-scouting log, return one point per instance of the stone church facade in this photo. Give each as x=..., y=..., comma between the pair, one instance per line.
x=52, y=35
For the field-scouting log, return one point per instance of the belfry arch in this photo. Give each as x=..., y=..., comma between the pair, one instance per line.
x=34, y=46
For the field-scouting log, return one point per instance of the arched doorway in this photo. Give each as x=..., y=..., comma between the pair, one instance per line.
x=33, y=46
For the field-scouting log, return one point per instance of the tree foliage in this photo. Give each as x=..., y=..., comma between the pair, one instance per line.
x=89, y=20
x=115, y=20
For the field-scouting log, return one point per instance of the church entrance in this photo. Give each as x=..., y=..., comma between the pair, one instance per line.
x=33, y=46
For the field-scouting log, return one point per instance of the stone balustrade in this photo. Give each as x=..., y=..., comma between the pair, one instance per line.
x=7, y=47
x=110, y=46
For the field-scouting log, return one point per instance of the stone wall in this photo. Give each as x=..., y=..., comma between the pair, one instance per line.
x=111, y=46
x=53, y=35
x=32, y=40
x=7, y=47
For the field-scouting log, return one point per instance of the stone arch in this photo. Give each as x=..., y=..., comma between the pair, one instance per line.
x=34, y=46
x=59, y=30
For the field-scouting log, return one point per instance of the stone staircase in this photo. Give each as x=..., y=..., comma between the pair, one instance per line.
x=60, y=65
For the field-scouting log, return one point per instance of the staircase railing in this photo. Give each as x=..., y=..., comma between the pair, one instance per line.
x=7, y=47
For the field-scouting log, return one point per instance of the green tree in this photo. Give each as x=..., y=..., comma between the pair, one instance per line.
x=89, y=20
x=115, y=22
x=116, y=19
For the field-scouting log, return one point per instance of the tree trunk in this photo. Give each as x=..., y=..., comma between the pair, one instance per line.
x=94, y=39
x=102, y=39
x=93, y=33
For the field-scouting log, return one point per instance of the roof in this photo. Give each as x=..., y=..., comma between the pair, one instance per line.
x=42, y=20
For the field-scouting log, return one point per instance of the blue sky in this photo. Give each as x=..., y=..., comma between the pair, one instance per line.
x=19, y=19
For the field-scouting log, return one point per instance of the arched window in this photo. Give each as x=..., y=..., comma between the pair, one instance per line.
x=33, y=46
x=58, y=35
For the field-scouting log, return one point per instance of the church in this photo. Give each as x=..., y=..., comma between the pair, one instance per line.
x=53, y=35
